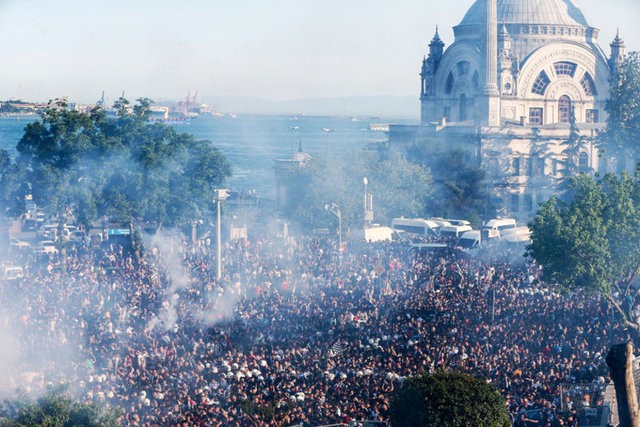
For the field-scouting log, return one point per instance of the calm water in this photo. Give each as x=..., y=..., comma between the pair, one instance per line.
x=252, y=143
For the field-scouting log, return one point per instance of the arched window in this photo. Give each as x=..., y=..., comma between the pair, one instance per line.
x=565, y=68
x=541, y=84
x=463, y=68
x=588, y=85
x=449, y=85
x=564, y=109
x=463, y=108
x=583, y=162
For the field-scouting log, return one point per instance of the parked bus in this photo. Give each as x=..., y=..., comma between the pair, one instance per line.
x=417, y=226
x=497, y=227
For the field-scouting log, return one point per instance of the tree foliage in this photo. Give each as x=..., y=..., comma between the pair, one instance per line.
x=590, y=242
x=58, y=409
x=459, y=188
x=399, y=187
x=118, y=167
x=623, y=107
x=448, y=400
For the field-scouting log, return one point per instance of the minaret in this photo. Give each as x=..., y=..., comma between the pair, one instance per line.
x=424, y=87
x=491, y=93
x=505, y=63
x=618, y=53
x=436, y=49
x=427, y=74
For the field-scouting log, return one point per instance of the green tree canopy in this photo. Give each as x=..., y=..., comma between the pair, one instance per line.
x=399, y=187
x=460, y=188
x=120, y=167
x=623, y=107
x=591, y=242
x=448, y=400
x=58, y=409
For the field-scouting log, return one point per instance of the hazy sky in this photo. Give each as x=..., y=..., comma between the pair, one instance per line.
x=270, y=49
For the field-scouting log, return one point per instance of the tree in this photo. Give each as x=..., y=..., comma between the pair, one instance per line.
x=590, y=243
x=448, y=400
x=623, y=107
x=459, y=188
x=57, y=408
x=399, y=187
x=122, y=168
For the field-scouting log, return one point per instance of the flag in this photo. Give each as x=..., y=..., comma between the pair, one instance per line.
x=336, y=349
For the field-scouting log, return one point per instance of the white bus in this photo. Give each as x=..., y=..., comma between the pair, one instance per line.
x=417, y=226
x=497, y=227
x=454, y=231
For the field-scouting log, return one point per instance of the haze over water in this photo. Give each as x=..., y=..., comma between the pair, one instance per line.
x=252, y=143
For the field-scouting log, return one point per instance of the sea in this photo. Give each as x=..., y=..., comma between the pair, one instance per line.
x=253, y=142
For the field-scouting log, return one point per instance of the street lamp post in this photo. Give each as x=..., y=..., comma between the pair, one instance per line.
x=334, y=209
x=368, y=204
x=221, y=194
x=293, y=138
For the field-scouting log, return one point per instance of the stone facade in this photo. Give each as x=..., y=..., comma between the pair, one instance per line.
x=505, y=91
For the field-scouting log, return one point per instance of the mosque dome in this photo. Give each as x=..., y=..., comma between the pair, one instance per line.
x=528, y=12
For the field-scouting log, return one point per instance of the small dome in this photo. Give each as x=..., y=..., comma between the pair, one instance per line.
x=534, y=12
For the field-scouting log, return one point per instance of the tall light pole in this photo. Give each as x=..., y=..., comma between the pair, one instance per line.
x=334, y=209
x=221, y=194
x=368, y=203
x=293, y=138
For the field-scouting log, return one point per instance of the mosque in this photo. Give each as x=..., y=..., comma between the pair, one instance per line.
x=506, y=91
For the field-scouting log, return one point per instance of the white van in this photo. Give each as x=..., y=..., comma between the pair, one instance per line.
x=451, y=221
x=454, y=231
x=498, y=227
x=418, y=226
x=375, y=233
x=470, y=239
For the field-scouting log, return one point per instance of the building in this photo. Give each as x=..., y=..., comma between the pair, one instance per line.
x=506, y=92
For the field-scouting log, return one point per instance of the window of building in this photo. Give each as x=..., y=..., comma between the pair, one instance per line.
x=528, y=202
x=565, y=68
x=536, y=166
x=449, y=86
x=463, y=108
x=463, y=68
x=588, y=85
x=583, y=162
x=564, y=109
x=531, y=166
x=447, y=112
x=541, y=84
x=515, y=203
x=535, y=116
x=592, y=116
x=516, y=166
x=475, y=80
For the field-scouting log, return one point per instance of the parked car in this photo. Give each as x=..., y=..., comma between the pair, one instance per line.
x=11, y=272
x=46, y=247
x=18, y=244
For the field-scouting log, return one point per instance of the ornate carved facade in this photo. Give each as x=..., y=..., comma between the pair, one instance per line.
x=506, y=89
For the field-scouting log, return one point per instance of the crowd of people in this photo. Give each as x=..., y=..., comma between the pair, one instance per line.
x=294, y=332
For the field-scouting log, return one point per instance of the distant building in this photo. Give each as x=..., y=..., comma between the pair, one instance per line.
x=287, y=175
x=504, y=92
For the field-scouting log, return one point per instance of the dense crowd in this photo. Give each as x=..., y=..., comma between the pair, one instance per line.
x=294, y=333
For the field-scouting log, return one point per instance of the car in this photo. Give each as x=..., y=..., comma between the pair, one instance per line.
x=11, y=272
x=47, y=247
x=18, y=244
x=29, y=225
